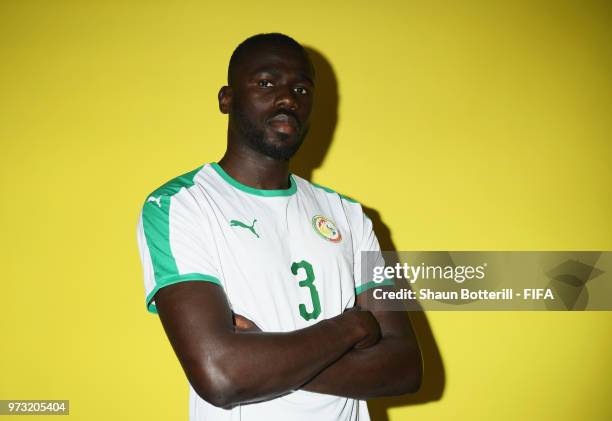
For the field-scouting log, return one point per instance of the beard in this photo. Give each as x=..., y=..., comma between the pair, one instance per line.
x=256, y=138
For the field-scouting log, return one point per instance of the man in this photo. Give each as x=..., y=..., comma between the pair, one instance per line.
x=255, y=272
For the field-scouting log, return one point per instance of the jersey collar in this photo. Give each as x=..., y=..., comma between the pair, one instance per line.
x=251, y=190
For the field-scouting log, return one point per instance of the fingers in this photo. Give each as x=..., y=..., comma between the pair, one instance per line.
x=241, y=323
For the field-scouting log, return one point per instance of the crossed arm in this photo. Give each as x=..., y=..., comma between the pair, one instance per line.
x=358, y=354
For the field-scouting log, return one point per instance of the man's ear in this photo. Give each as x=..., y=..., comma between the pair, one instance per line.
x=225, y=99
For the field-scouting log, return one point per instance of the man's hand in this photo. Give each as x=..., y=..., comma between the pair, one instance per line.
x=363, y=319
x=242, y=324
x=370, y=328
x=391, y=367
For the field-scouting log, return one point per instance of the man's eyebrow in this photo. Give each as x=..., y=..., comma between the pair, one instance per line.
x=306, y=77
x=276, y=72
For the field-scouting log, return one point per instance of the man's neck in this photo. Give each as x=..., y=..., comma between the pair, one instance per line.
x=255, y=170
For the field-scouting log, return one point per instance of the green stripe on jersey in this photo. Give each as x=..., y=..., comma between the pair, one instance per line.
x=156, y=225
x=175, y=280
x=328, y=190
x=173, y=186
x=370, y=285
x=252, y=190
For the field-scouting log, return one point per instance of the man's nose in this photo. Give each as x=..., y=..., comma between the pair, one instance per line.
x=286, y=99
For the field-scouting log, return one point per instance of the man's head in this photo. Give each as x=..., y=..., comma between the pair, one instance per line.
x=269, y=95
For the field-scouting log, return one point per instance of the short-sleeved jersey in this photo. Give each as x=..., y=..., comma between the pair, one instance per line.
x=286, y=259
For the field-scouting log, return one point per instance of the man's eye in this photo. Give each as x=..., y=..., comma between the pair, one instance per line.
x=265, y=83
x=301, y=90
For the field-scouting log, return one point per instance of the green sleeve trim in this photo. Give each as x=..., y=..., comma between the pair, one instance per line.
x=175, y=279
x=252, y=190
x=156, y=224
x=370, y=285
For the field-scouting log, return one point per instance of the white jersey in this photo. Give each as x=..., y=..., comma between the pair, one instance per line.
x=286, y=259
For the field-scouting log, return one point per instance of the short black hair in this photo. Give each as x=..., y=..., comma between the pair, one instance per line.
x=255, y=41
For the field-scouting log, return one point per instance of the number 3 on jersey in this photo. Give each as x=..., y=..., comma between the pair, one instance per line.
x=309, y=283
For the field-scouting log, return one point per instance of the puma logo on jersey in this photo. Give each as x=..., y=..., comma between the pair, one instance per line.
x=155, y=199
x=234, y=223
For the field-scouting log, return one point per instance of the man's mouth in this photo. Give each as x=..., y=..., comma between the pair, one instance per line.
x=284, y=123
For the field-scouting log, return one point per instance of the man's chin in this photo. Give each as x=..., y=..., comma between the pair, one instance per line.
x=281, y=148
x=281, y=154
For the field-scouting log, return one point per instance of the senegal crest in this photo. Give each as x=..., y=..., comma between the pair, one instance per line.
x=326, y=228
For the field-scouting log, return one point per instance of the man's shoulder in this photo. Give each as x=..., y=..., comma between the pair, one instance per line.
x=174, y=185
x=325, y=191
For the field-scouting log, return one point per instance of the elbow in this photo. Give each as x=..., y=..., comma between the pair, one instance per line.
x=416, y=375
x=216, y=394
x=414, y=381
x=216, y=385
x=411, y=377
x=217, y=397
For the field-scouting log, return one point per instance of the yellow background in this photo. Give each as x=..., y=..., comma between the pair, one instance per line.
x=471, y=125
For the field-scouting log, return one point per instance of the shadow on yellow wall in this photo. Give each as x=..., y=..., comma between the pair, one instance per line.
x=311, y=156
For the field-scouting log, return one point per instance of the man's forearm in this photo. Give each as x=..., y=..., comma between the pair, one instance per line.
x=254, y=366
x=391, y=367
x=228, y=367
x=260, y=366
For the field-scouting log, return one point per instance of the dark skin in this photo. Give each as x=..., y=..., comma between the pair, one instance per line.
x=281, y=80
x=226, y=357
x=391, y=367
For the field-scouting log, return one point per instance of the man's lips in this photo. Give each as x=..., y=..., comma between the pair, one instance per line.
x=283, y=122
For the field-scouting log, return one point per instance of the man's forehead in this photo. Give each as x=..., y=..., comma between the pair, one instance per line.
x=276, y=59
x=278, y=70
